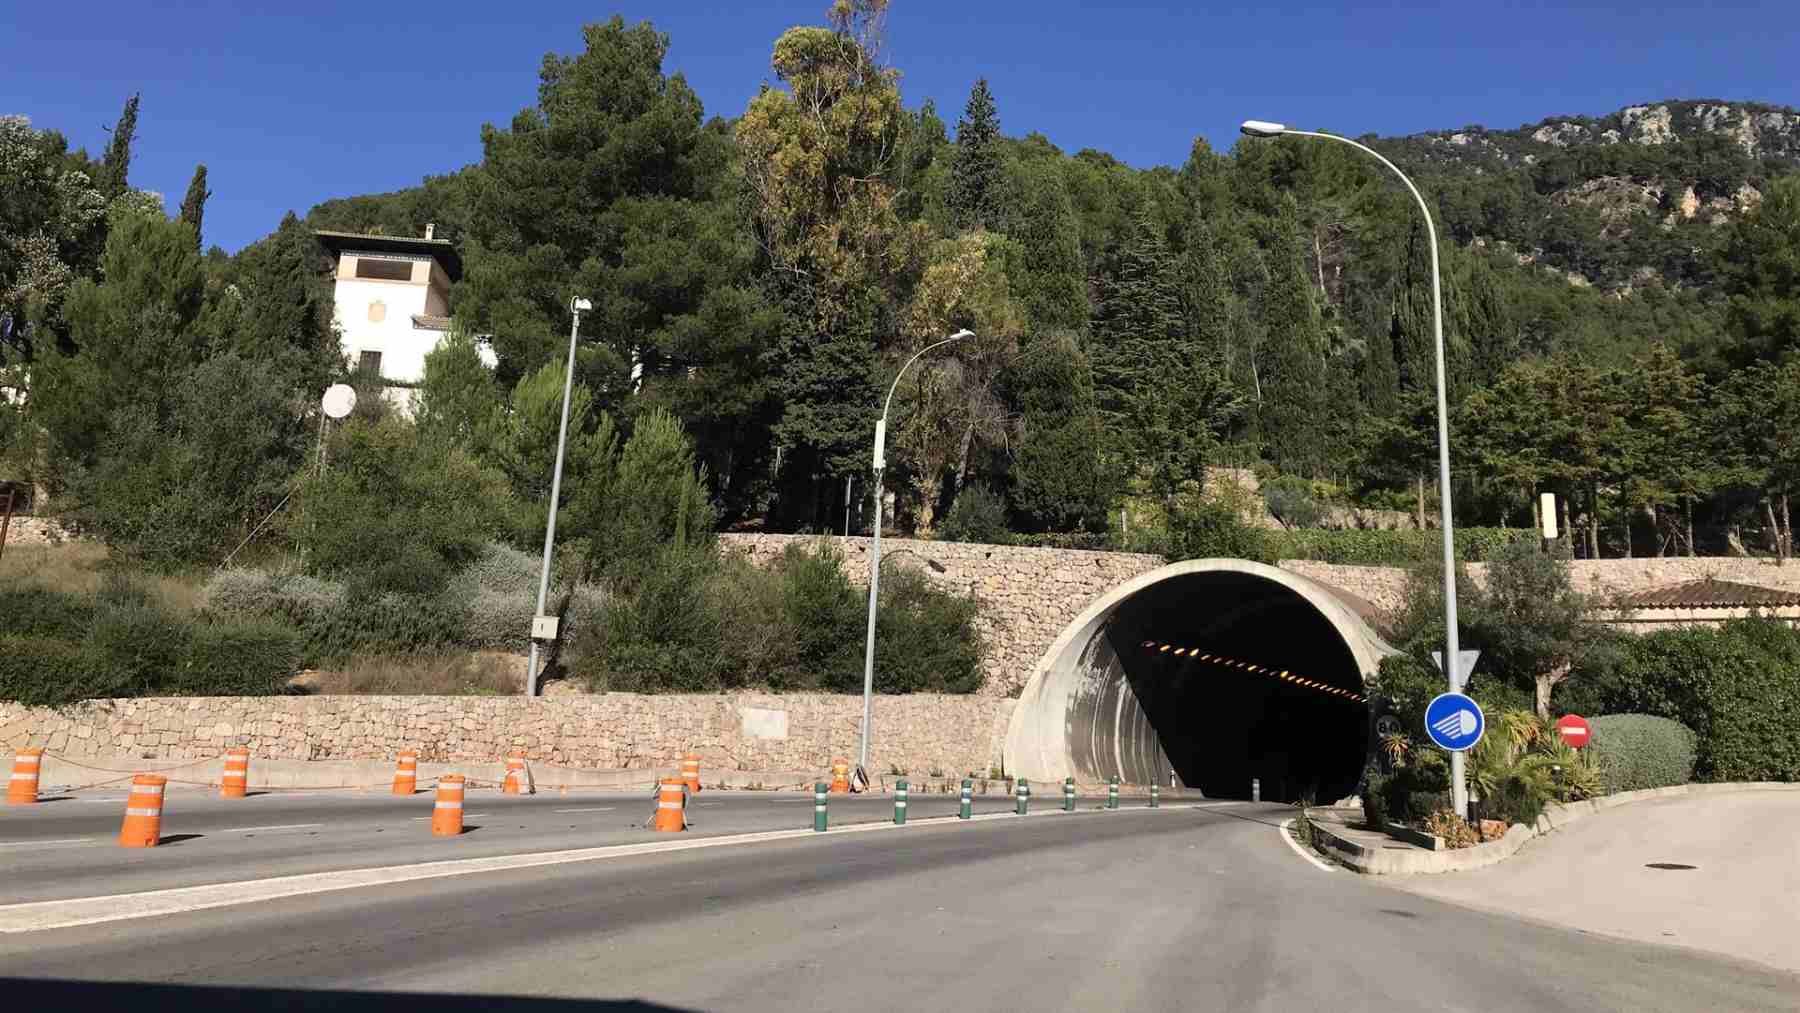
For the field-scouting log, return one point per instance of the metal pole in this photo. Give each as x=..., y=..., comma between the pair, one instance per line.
x=847, y=480
x=562, y=442
x=879, y=460
x=1459, y=789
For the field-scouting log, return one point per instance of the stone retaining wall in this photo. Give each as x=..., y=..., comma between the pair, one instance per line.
x=34, y=531
x=1026, y=596
x=741, y=731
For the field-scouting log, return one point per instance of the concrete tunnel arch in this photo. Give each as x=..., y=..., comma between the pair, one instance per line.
x=1110, y=699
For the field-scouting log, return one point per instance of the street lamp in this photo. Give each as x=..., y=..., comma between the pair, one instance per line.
x=880, y=463
x=1451, y=664
x=543, y=627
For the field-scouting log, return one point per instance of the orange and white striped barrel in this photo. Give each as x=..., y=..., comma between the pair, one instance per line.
x=840, y=777
x=671, y=806
x=143, y=812
x=23, y=787
x=690, y=772
x=235, y=782
x=446, y=815
x=406, y=773
x=518, y=776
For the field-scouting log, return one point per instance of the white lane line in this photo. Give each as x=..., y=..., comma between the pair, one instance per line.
x=601, y=809
x=29, y=844
x=56, y=914
x=284, y=826
x=1287, y=837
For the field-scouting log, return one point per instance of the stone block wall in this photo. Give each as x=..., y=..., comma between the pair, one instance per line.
x=1026, y=596
x=34, y=531
x=612, y=731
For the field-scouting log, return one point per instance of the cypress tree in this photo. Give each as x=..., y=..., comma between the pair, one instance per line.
x=193, y=206
x=1137, y=326
x=1060, y=481
x=1293, y=366
x=115, y=166
x=975, y=177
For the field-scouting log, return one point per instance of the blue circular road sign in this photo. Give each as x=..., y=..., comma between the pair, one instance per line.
x=1454, y=722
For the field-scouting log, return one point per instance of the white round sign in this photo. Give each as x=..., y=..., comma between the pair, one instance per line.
x=338, y=401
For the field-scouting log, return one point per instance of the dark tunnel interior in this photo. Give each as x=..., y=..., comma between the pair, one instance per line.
x=1243, y=678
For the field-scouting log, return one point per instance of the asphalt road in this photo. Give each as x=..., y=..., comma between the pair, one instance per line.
x=63, y=849
x=1179, y=909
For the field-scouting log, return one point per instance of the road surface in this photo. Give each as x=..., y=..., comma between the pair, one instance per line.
x=1183, y=908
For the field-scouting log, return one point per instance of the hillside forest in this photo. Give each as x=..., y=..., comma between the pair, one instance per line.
x=1622, y=304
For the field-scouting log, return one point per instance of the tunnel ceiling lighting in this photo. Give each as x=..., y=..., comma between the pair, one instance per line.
x=1149, y=643
x=1165, y=647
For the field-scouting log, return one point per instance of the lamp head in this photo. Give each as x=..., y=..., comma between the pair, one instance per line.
x=964, y=333
x=1262, y=128
x=580, y=305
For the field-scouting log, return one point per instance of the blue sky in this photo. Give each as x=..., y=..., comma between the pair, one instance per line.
x=346, y=98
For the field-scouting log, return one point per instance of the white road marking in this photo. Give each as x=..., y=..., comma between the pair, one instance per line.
x=601, y=809
x=1288, y=838
x=28, y=844
x=56, y=914
x=284, y=826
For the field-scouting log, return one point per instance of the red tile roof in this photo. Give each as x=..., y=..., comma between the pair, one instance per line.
x=1710, y=593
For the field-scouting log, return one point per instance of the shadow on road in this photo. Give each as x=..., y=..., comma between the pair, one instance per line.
x=98, y=995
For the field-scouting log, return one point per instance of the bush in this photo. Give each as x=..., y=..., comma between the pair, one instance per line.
x=978, y=515
x=1634, y=751
x=1291, y=501
x=36, y=612
x=665, y=636
x=44, y=672
x=926, y=640
x=1386, y=548
x=236, y=658
x=1208, y=529
x=1737, y=687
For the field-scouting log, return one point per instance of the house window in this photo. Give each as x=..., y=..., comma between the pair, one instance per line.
x=370, y=363
x=384, y=270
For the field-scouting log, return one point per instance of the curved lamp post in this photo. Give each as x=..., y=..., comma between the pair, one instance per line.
x=880, y=463
x=544, y=627
x=1260, y=128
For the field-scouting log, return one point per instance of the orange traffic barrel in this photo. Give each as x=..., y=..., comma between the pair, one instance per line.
x=690, y=772
x=143, y=812
x=406, y=773
x=518, y=780
x=671, y=805
x=840, y=777
x=446, y=816
x=236, y=780
x=23, y=787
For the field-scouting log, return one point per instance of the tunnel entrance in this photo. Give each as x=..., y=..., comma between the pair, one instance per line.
x=1216, y=672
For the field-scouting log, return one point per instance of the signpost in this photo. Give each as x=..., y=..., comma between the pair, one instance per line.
x=1574, y=730
x=1454, y=722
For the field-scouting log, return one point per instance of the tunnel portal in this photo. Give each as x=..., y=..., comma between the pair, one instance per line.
x=1214, y=671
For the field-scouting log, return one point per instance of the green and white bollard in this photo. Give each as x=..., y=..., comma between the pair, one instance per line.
x=1024, y=796
x=819, y=791
x=968, y=800
x=1112, y=792
x=1153, y=795
x=1068, y=794
x=899, y=802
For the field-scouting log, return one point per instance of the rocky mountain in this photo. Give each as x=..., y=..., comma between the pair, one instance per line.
x=1632, y=198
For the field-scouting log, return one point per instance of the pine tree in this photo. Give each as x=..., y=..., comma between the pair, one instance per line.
x=1060, y=481
x=115, y=167
x=1293, y=366
x=1051, y=279
x=975, y=177
x=193, y=206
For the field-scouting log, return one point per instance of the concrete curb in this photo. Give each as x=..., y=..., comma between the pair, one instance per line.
x=1381, y=861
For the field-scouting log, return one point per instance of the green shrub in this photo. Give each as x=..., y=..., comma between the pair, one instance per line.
x=1737, y=686
x=1374, y=797
x=663, y=637
x=978, y=515
x=926, y=640
x=236, y=658
x=44, y=672
x=1385, y=548
x=37, y=612
x=1634, y=751
x=1084, y=540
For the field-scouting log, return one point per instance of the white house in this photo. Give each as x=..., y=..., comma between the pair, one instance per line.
x=392, y=303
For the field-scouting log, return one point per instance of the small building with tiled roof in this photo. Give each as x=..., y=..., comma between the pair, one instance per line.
x=1704, y=602
x=392, y=303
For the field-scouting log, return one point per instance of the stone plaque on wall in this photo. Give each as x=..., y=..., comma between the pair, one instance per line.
x=759, y=723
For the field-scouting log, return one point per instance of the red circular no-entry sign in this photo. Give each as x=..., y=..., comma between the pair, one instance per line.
x=1574, y=730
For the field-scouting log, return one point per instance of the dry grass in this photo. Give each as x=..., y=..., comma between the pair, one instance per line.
x=483, y=673
x=78, y=567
